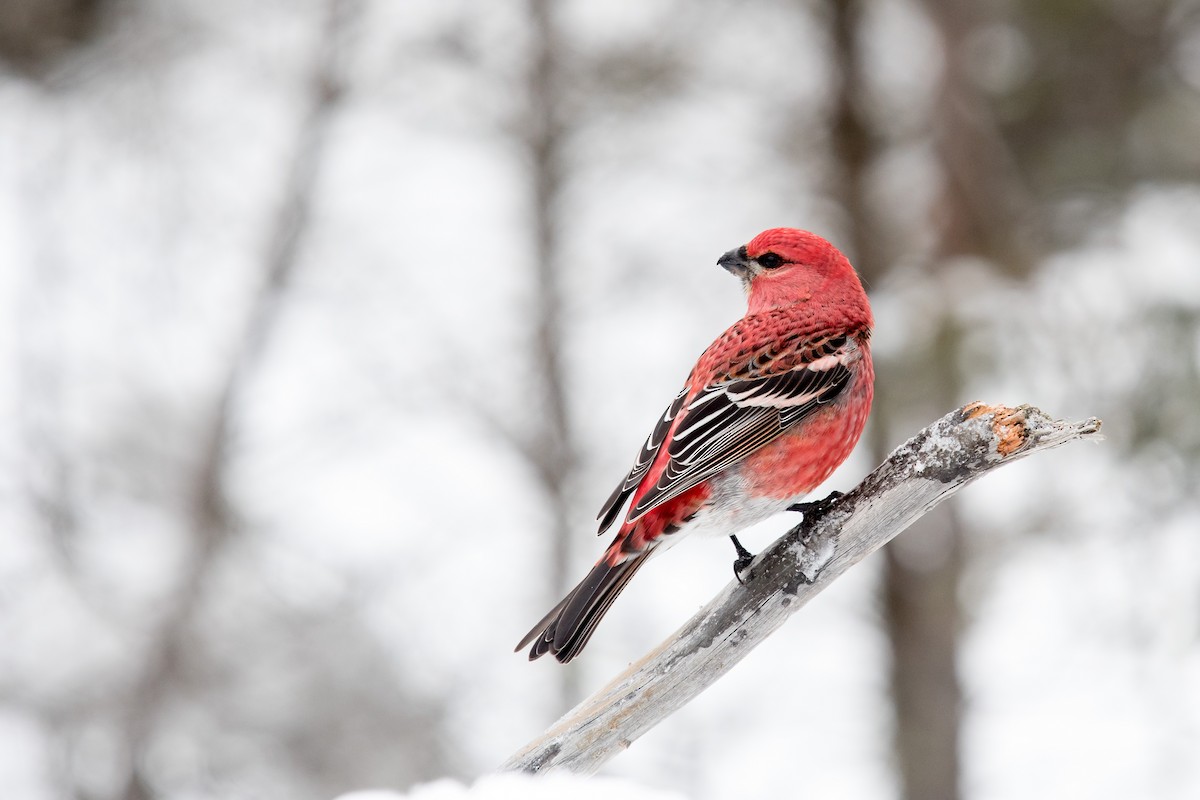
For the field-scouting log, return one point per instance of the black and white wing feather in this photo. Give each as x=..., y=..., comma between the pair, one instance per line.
x=727, y=421
x=641, y=464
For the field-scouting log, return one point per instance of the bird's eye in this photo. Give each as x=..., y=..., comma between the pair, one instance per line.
x=770, y=260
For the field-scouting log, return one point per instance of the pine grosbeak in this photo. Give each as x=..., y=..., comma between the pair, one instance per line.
x=772, y=407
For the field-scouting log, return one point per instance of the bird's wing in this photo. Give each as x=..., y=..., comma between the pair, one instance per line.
x=734, y=416
x=641, y=465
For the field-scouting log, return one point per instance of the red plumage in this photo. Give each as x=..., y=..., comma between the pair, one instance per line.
x=770, y=410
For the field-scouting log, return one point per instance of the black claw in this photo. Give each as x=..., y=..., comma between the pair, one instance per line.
x=817, y=507
x=743, y=561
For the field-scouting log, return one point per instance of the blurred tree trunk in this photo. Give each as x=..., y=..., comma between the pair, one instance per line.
x=1092, y=75
x=34, y=34
x=922, y=571
x=551, y=444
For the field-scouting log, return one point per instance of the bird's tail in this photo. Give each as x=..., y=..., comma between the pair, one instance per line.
x=569, y=625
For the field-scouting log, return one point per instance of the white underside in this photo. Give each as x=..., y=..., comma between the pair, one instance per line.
x=728, y=511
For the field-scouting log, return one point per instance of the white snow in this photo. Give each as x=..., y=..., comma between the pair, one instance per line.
x=518, y=786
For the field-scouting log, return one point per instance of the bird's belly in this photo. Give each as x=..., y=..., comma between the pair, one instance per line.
x=730, y=509
x=784, y=471
x=801, y=459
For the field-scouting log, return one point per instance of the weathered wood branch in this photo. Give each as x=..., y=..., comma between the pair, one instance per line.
x=918, y=475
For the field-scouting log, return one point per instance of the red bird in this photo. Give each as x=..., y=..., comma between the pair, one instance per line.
x=770, y=410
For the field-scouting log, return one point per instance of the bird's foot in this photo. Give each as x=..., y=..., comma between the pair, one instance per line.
x=742, y=564
x=815, y=508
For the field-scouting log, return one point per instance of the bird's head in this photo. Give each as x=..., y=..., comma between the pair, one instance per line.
x=786, y=266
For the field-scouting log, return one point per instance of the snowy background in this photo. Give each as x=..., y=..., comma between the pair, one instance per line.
x=327, y=326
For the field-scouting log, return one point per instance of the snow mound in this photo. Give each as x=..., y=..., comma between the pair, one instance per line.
x=525, y=787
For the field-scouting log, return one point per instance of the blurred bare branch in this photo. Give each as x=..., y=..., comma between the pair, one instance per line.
x=211, y=523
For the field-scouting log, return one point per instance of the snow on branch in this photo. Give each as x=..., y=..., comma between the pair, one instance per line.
x=918, y=475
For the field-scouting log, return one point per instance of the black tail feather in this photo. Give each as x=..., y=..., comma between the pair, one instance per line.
x=566, y=629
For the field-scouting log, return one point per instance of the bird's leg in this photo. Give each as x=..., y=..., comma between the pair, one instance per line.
x=815, y=508
x=743, y=560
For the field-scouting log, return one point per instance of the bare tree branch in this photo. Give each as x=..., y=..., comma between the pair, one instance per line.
x=924, y=471
x=210, y=523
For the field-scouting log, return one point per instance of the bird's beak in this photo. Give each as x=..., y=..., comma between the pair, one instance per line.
x=737, y=262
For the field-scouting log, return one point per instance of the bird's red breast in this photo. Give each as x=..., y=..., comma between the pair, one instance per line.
x=803, y=344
